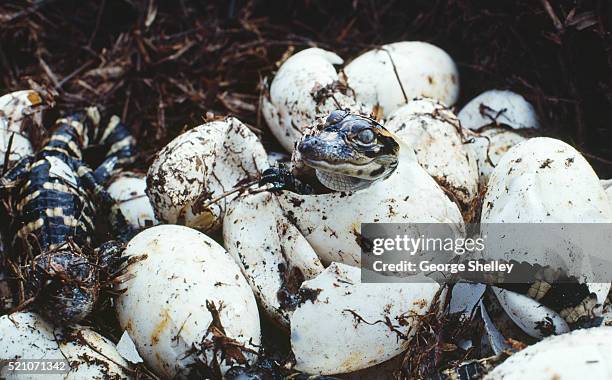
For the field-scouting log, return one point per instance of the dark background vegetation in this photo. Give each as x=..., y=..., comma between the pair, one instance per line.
x=163, y=65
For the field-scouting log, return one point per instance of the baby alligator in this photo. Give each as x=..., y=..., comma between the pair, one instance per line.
x=349, y=152
x=55, y=198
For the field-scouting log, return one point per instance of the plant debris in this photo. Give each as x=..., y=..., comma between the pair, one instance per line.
x=163, y=65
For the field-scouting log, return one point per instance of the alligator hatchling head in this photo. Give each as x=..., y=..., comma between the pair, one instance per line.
x=348, y=151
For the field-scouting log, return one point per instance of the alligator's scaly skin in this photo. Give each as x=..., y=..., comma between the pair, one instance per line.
x=56, y=198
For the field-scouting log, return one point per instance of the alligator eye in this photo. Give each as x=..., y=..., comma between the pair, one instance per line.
x=366, y=136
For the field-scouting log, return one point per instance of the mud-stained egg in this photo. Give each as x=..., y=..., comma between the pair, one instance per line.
x=544, y=180
x=439, y=142
x=498, y=107
x=305, y=88
x=188, y=180
x=185, y=303
x=334, y=328
x=501, y=119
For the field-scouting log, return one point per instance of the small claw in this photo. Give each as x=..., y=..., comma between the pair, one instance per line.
x=282, y=179
x=276, y=177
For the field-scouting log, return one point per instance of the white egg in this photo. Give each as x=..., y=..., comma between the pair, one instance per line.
x=498, y=107
x=423, y=70
x=305, y=88
x=165, y=305
x=90, y=356
x=331, y=222
x=334, y=329
x=580, y=354
x=543, y=180
x=16, y=109
x=502, y=119
x=200, y=166
x=128, y=189
x=439, y=142
x=272, y=253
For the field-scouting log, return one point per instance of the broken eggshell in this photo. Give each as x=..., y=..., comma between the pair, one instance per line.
x=89, y=355
x=532, y=317
x=305, y=88
x=543, y=180
x=364, y=324
x=273, y=255
x=498, y=107
x=332, y=222
x=423, y=70
x=200, y=165
x=177, y=282
x=585, y=353
x=18, y=111
x=436, y=136
x=128, y=190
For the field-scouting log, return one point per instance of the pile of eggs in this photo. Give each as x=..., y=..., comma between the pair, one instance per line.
x=191, y=304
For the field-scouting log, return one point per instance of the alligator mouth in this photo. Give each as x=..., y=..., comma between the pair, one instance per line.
x=342, y=168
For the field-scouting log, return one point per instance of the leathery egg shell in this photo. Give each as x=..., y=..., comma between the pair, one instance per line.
x=271, y=251
x=128, y=189
x=90, y=355
x=423, y=70
x=585, y=353
x=177, y=274
x=498, y=107
x=440, y=146
x=200, y=165
x=545, y=180
x=15, y=108
x=333, y=330
x=305, y=88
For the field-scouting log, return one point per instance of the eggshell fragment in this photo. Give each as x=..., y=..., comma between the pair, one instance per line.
x=331, y=222
x=90, y=356
x=532, y=317
x=128, y=189
x=580, y=354
x=199, y=166
x=436, y=136
x=498, y=107
x=334, y=329
x=305, y=88
x=272, y=253
x=424, y=70
x=176, y=275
